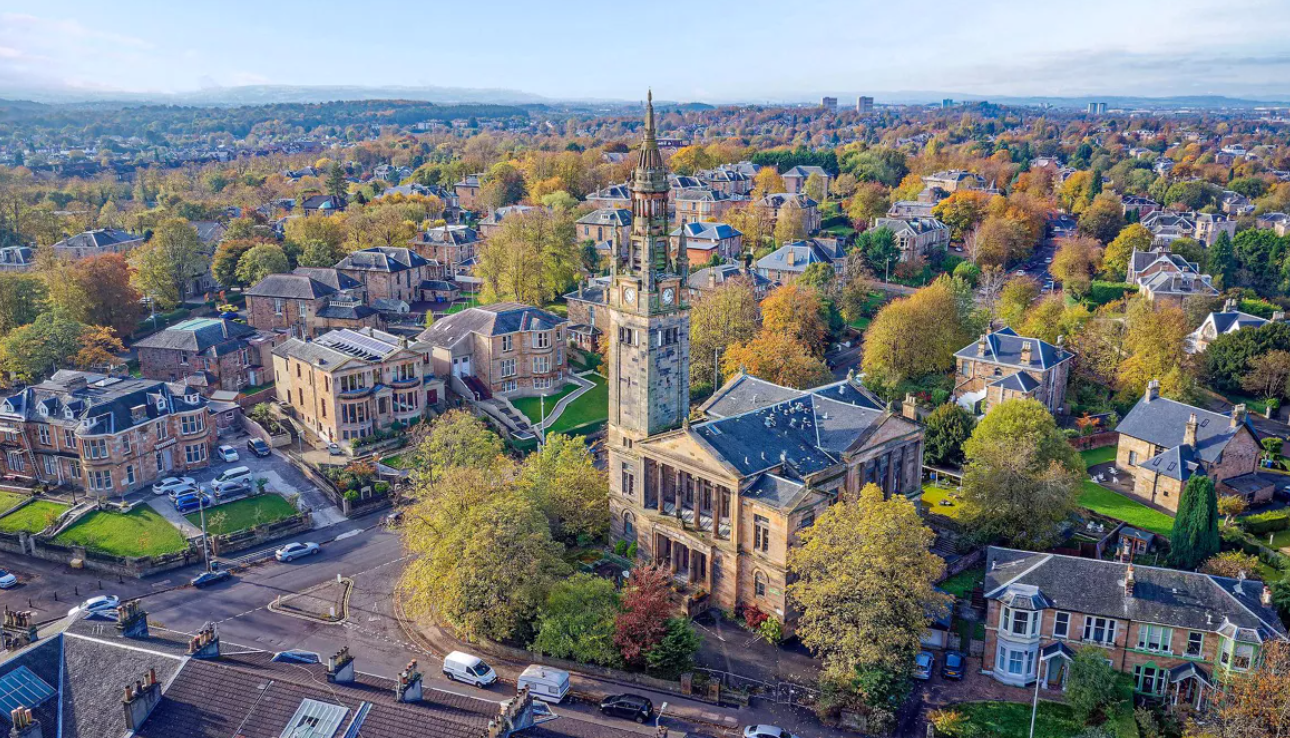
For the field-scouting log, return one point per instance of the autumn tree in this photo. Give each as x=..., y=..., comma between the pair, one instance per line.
x=755, y=223
x=1075, y=263
x=723, y=316
x=300, y=231
x=1115, y=259
x=1155, y=342
x=816, y=187
x=798, y=312
x=790, y=225
x=261, y=261
x=918, y=335
x=767, y=182
x=775, y=357
x=863, y=580
x=33, y=351
x=456, y=438
x=99, y=350
x=1268, y=375
x=169, y=262
x=531, y=260
x=1251, y=703
x=645, y=609
x=963, y=211
x=868, y=203
x=998, y=242
x=1051, y=319
x=1102, y=219
x=318, y=253
x=563, y=482
x=1021, y=477
x=225, y=260
x=96, y=291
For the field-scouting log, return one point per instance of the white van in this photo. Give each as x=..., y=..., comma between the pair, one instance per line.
x=463, y=667
x=544, y=683
x=232, y=474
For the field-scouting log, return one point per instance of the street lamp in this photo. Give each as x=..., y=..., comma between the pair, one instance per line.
x=659, y=719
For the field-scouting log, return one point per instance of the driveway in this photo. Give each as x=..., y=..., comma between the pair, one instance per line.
x=166, y=509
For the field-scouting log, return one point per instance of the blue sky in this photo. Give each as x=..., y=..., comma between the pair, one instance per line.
x=713, y=50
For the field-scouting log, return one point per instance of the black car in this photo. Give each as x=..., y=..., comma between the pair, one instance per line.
x=210, y=577
x=953, y=666
x=258, y=447
x=628, y=706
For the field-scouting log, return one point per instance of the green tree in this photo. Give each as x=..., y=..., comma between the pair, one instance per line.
x=1220, y=260
x=1103, y=219
x=261, y=261
x=532, y=259
x=456, y=438
x=224, y=262
x=336, y=184
x=562, y=480
x=674, y=655
x=879, y=249
x=318, y=253
x=32, y=352
x=1195, y=535
x=1227, y=358
x=1115, y=260
x=815, y=187
x=719, y=319
x=167, y=264
x=1022, y=476
x=917, y=335
x=577, y=621
x=863, y=581
x=22, y=300
x=1092, y=689
x=946, y=429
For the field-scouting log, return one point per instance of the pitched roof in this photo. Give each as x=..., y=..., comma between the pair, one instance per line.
x=1173, y=283
x=804, y=171
x=707, y=231
x=1017, y=382
x=324, y=202
x=101, y=238
x=490, y=320
x=197, y=335
x=1163, y=422
x=709, y=277
x=382, y=259
x=795, y=257
x=100, y=404
x=781, y=199
x=337, y=347
x=1004, y=347
x=1180, y=599
x=449, y=234
x=607, y=217
x=304, y=283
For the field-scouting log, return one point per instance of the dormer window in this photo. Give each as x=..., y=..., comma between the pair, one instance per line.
x=41, y=410
x=67, y=413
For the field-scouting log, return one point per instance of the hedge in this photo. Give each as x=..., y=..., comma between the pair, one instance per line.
x=1266, y=522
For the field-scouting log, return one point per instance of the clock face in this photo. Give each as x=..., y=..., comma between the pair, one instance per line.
x=668, y=295
x=629, y=295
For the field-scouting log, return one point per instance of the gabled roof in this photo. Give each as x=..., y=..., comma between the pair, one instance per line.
x=804, y=171
x=99, y=404
x=1173, y=283
x=338, y=347
x=502, y=213
x=324, y=202
x=612, y=192
x=1140, y=260
x=1017, y=382
x=455, y=234
x=304, y=283
x=1004, y=347
x=197, y=335
x=1163, y=422
x=707, y=231
x=787, y=199
x=916, y=226
x=801, y=254
x=490, y=320
x=615, y=217
x=103, y=238
x=382, y=259
x=1180, y=599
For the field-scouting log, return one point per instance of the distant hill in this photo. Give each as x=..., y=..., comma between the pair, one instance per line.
x=273, y=94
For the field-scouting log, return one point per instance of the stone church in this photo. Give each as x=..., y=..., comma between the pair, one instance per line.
x=719, y=500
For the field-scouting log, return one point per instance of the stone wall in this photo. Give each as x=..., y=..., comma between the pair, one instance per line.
x=261, y=534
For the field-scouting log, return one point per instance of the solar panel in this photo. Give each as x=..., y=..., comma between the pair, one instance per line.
x=22, y=688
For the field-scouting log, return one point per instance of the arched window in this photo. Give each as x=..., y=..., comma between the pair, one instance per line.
x=629, y=526
x=759, y=584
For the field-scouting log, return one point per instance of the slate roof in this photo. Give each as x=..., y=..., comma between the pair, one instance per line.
x=802, y=254
x=16, y=255
x=1140, y=260
x=612, y=192
x=803, y=172
x=102, y=405
x=103, y=238
x=777, y=491
x=1018, y=382
x=711, y=277
x=707, y=231
x=199, y=334
x=490, y=320
x=701, y=194
x=1169, y=283
x=607, y=217
x=781, y=199
x=917, y=226
x=303, y=283
x=910, y=209
x=1230, y=322
x=457, y=234
x=1163, y=422
x=333, y=203
x=502, y=213
x=1003, y=347
x=336, y=347
x=1179, y=462
x=1179, y=599
x=347, y=311
x=382, y=259
x=209, y=231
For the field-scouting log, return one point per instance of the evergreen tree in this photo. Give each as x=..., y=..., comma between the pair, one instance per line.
x=1220, y=260
x=1195, y=535
x=336, y=184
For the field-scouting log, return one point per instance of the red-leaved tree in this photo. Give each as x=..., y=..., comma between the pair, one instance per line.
x=646, y=607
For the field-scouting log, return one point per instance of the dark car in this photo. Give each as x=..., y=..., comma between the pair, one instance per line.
x=258, y=447
x=954, y=665
x=210, y=577
x=628, y=706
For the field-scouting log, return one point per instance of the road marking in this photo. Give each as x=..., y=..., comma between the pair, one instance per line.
x=347, y=534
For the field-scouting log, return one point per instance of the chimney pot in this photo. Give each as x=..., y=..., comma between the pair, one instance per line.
x=1153, y=390
x=1266, y=597
x=1129, y=581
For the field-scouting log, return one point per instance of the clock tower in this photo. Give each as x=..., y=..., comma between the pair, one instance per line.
x=649, y=322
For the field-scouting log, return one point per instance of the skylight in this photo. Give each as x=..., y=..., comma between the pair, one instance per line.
x=314, y=719
x=22, y=688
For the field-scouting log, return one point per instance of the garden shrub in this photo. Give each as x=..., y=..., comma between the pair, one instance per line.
x=1266, y=522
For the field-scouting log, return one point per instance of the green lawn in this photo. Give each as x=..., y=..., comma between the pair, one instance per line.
x=1252, y=404
x=33, y=518
x=140, y=532
x=532, y=406
x=1098, y=455
x=399, y=461
x=961, y=585
x=9, y=499
x=591, y=408
x=1012, y=719
x=1112, y=504
x=932, y=498
x=460, y=305
x=243, y=514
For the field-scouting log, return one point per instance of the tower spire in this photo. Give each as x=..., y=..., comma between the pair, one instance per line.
x=649, y=115
x=650, y=160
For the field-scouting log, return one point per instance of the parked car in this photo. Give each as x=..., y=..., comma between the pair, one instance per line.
x=232, y=474
x=189, y=503
x=766, y=731
x=628, y=707
x=459, y=666
x=924, y=662
x=334, y=449
x=258, y=447
x=231, y=489
x=7, y=580
x=216, y=574
x=544, y=683
x=227, y=453
x=165, y=485
x=182, y=491
x=953, y=666
x=293, y=551
x=102, y=603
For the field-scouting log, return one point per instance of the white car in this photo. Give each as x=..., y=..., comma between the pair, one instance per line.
x=165, y=485
x=7, y=580
x=102, y=603
x=293, y=551
x=766, y=731
x=227, y=453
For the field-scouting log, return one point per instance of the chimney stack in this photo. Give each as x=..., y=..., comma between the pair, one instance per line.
x=340, y=668
x=1266, y=596
x=141, y=699
x=1153, y=391
x=909, y=408
x=204, y=645
x=19, y=629
x=1129, y=581
x=24, y=725
x=1230, y=305
x=981, y=345
x=1238, y=415
x=1189, y=433
x=131, y=620
x=1279, y=316
x=1025, y=352
x=408, y=687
